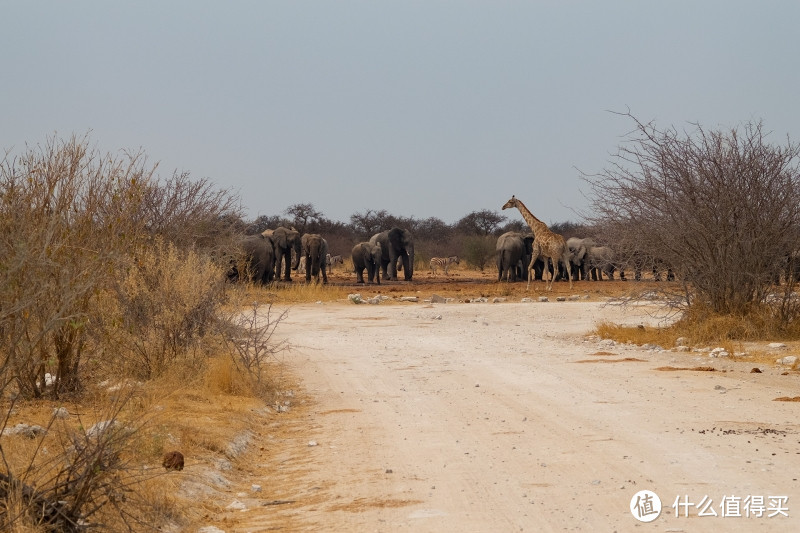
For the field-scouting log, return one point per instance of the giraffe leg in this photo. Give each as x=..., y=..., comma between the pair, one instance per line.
x=569, y=271
x=531, y=272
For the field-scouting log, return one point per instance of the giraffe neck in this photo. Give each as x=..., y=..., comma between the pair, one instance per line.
x=536, y=225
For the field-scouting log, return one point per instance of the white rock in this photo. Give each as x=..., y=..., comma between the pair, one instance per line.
x=236, y=505
x=719, y=352
x=777, y=345
x=789, y=360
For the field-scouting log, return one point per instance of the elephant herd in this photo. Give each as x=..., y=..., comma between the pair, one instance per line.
x=271, y=250
x=514, y=250
x=273, y=254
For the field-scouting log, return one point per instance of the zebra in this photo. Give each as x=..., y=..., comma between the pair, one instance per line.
x=443, y=262
x=333, y=260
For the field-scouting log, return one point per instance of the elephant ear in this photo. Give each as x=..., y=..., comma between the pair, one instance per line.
x=279, y=237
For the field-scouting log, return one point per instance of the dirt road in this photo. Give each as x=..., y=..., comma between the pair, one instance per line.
x=506, y=417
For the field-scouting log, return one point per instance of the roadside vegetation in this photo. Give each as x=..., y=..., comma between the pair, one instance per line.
x=112, y=286
x=719, y=209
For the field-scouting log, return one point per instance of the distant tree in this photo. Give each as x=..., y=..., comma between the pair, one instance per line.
x=265, y=222
x=721, y=208
x=433, y=230
x=370, y=222
x=514, y=225
x=566, y=229
x=302, y=215
x=483, y=222
x=479, y=250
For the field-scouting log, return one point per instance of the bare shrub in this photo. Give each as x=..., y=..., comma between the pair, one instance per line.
x=63, y=230
x=250, y=334
x=76, y=478
x=164, y=305
x=721, y=209
x=83, y=233
x=192, y=213
x=479, y=250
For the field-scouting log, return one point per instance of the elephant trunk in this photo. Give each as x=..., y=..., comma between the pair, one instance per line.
x=408, y=270
x=296, y=262
x=315, y=257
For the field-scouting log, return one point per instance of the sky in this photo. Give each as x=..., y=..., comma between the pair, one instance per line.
x=422, y=108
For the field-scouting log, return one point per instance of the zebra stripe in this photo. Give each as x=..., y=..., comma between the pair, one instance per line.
x=443, y=262
x=334, y=260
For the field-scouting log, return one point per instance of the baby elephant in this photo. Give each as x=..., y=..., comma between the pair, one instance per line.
x=367, y=255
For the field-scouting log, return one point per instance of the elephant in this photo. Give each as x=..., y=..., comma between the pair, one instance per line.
x=315, y=251
x=286, y=240
x=260, y=259
x=578, y=248
x=367, y=255
x=510, y=250
x=600, y=258
x=395, y=243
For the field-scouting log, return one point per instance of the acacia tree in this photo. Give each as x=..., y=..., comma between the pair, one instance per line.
x=721, y=208
x=484, y=222
x=303, y=215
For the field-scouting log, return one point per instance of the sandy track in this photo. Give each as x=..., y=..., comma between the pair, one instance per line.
x=504, y=417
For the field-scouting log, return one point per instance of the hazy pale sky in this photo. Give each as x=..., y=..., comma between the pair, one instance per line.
x=422, y=108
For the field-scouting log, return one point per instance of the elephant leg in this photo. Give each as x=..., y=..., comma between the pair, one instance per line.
x=407, y=267
x=287, y=275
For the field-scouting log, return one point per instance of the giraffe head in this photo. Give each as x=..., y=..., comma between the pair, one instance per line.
x=511, y=203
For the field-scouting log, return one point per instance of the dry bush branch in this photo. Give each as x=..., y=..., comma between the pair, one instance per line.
x=719, y=208
x=250, y=335
x=77, y=478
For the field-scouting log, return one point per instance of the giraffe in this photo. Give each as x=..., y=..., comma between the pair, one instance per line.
x=546, y=244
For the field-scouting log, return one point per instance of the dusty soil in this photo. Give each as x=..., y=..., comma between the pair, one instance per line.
x=508, y=417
